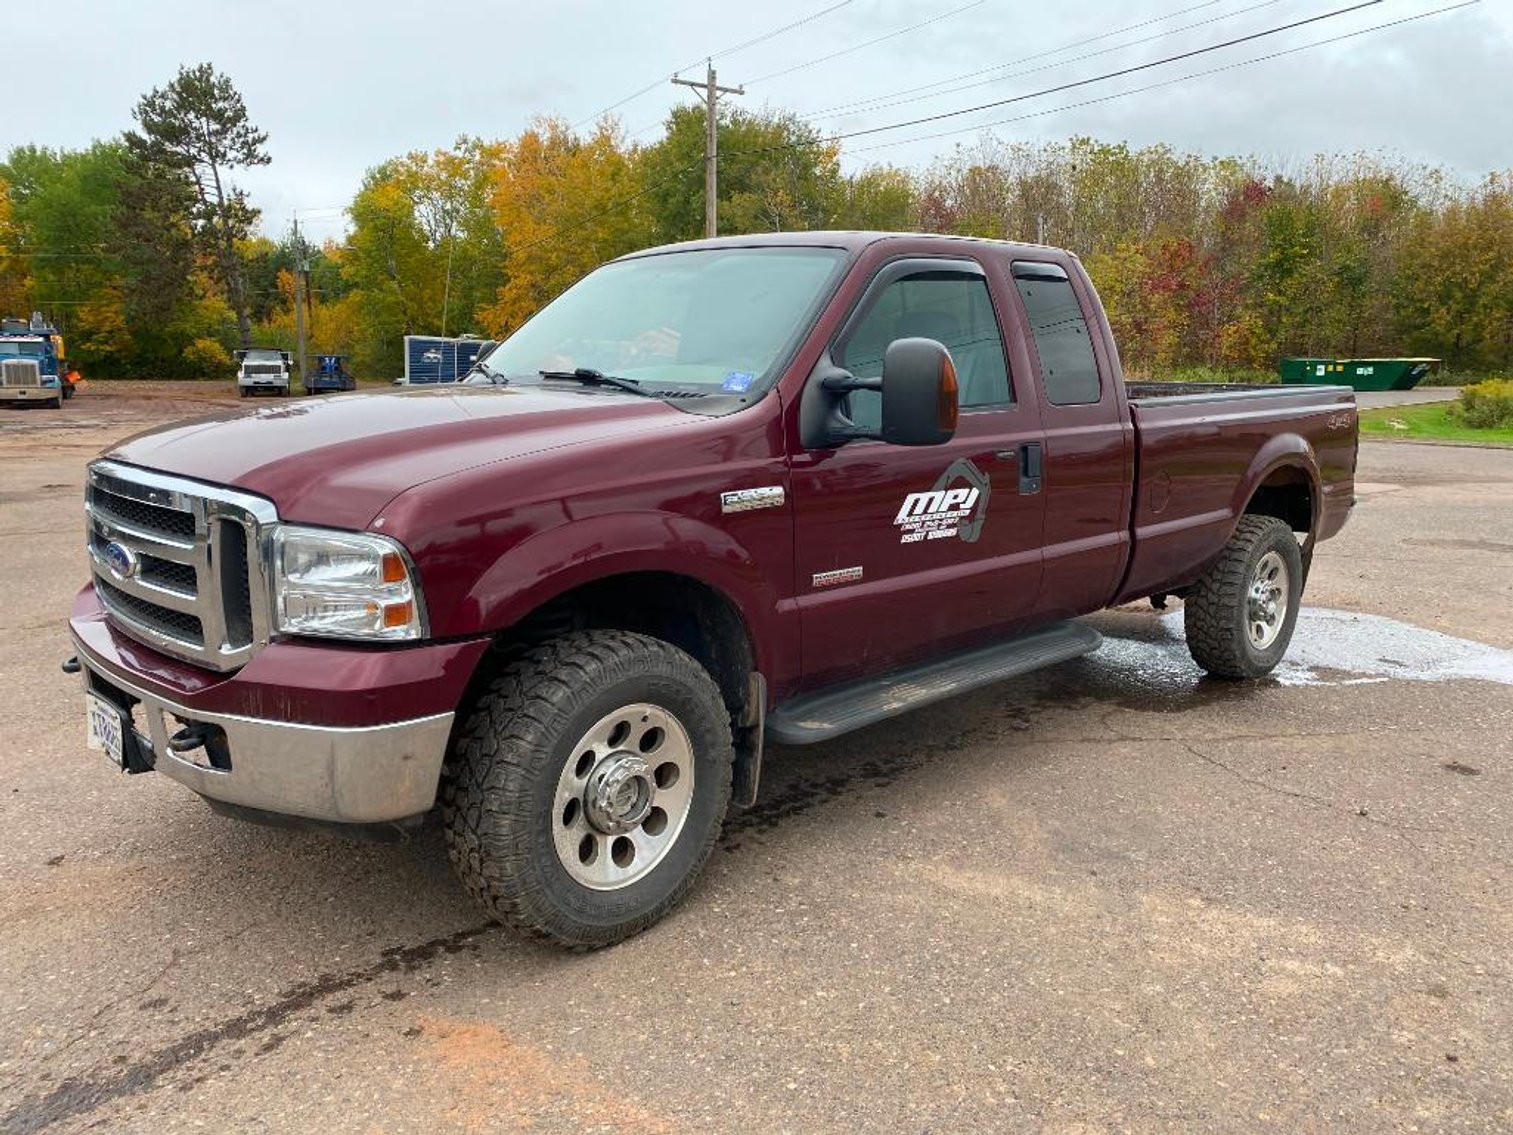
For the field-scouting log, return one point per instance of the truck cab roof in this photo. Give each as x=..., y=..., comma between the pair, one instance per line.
x=853, y=241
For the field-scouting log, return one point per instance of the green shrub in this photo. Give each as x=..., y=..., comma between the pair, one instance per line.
x=207, y=358
x=1486, y=405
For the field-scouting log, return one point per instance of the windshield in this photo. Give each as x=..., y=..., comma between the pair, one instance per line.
x=719, y=319
x=32, y=348
x=263, y=355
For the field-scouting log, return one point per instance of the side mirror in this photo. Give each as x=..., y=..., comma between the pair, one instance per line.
x=917, y=388
x=920, y=398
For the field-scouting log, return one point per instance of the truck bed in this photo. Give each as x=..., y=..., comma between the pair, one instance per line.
x=1201, y=448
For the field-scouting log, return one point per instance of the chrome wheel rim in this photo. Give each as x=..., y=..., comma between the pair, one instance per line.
x=623, y=797
x=1266, y=602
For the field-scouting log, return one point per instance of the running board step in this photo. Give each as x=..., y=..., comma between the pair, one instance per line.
x=830, y=713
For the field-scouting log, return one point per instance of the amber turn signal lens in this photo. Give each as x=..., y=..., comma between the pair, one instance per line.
x=947, y=407
x=398, y=615
x=394, y=568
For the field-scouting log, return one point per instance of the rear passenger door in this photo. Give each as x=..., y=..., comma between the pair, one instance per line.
x=1088, y=448
x=902, y=551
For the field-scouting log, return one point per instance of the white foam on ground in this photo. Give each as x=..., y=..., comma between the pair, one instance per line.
x=1338, y=648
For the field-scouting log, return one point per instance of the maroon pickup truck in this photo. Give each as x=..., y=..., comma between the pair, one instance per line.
x=774, y=487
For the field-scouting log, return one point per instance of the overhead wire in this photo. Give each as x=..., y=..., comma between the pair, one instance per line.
x=723, y=53
x=1075, y=83
x=578, y=222
x=887, y=101
x=868, y=43
x=1028, y=58
x=1165, y=82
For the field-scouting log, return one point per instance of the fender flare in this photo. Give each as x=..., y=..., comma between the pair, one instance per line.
x=558, y=560
x=1284, y=451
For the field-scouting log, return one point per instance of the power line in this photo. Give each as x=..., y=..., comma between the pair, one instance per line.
x=841, y=137
x=772, y=34
x=763, y=38
x=986, y=70
x=868, y=43
x=1026, y=59
x=886, y=101
x=1166, y=82
x=1053, y=110
x=613, y=206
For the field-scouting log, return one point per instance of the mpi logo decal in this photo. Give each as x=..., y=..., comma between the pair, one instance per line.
x=956, y=506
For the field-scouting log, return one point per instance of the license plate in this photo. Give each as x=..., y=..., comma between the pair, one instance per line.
x=107, y=729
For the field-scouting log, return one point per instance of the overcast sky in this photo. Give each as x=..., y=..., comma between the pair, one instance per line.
x=341, y=85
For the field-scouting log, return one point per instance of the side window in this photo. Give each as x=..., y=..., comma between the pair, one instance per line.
x=953, y=308
x=1067, y=363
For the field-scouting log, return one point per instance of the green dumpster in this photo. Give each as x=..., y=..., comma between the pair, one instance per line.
x=1360, y=374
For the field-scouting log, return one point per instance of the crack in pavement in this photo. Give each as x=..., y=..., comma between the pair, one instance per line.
x=81, y=1095
x=175, y=956
x=1394, y=828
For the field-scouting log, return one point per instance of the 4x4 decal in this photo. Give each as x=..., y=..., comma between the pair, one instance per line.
x=956, y=506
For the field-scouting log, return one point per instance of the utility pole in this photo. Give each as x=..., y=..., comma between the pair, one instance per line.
x=710, y=92
x=300, y=286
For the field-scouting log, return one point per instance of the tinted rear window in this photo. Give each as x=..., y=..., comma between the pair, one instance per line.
x=1068, y=366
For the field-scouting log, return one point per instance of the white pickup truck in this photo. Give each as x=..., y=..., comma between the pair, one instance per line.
x=262, y=368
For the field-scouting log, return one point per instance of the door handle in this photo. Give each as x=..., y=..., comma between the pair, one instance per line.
x=1031, y=462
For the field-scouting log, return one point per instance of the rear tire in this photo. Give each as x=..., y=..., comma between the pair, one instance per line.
x=1239, y=617
x=587, y=787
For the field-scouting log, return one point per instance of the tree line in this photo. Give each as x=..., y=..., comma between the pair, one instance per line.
x=147, y=254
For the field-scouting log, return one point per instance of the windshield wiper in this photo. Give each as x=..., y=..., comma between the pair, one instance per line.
x=591, y=377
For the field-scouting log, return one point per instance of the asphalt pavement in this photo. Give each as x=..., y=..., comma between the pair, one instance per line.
x=1375, y=399
x=1113, y=896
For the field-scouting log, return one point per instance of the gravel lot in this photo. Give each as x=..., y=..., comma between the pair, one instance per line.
x=1111, y=897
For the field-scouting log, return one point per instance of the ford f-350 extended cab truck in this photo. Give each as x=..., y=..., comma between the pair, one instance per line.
x=717, y=494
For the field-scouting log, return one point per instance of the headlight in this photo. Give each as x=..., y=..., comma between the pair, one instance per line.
x=343, y=585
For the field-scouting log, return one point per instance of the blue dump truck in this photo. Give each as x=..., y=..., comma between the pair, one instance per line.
x=32, y=366
x=432, y=358
x=329, y=373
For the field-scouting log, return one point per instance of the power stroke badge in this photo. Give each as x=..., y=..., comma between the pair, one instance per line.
x=956, y=506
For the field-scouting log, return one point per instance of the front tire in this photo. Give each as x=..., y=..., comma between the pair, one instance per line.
x=587, y=787
x=1240, y=616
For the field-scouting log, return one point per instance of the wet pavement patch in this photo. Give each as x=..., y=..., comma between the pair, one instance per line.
x=1329, y=648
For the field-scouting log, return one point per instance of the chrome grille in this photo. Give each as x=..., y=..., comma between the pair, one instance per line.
x=263, y=368
x=187, y=577
x=20, y=372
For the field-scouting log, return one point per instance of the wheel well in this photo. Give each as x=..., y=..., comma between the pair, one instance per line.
x=1286, y=494
x=675, y=608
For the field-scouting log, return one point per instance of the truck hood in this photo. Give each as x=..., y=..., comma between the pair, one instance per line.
x=338, y=460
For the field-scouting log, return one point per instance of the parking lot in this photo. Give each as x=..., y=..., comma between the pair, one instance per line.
x=1109, y=897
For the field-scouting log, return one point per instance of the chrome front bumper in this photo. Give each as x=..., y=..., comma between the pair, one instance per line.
x=29, y=393
x=371, y=774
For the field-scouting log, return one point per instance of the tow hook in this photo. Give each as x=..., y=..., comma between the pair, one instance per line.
x=198, y=735
x=72, y=665
x=190, y=738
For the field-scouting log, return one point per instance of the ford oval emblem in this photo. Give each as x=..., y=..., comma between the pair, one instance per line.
x=121, y=560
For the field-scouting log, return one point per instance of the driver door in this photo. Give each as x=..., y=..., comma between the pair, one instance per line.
x=904, y=552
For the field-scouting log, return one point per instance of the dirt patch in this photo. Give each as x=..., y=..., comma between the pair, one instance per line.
x=500, y=1083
